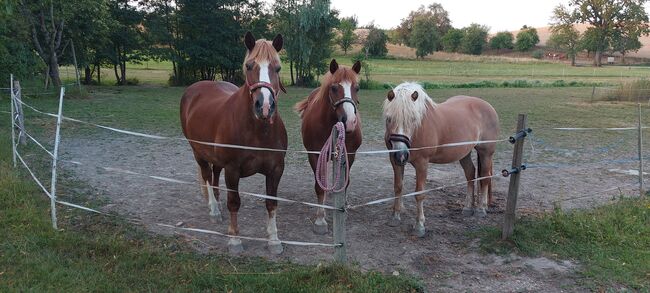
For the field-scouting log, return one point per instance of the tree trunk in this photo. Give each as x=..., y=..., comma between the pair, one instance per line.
x=623, y=58
x=117, y=76
x=99, y=74
x=573, y=60
x=54, y=70
x=597, y=57
x=88, y=75
x=123, y=72
x=293, y=81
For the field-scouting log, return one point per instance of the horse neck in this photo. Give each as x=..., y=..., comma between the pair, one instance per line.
x=324, y=109
x=427, y=132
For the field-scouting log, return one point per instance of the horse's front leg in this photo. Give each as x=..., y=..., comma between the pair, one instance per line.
x=320, y=224
x=234, y=202
x=398, y=178
x=420, y=181
x=272, y=182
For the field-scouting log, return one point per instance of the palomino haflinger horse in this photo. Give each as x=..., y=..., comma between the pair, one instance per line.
x=414, y=121
x=222, y=113
x=336, y=100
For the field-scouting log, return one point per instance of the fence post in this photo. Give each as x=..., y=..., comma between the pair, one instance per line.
x=76, y=67
x=22, y=137
x=641, y=188
x=513, y=189
x=57, y=138
x=13, y=118
x=340, y=199
x=593, y=93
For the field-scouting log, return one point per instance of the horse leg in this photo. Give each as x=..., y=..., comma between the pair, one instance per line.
x=485, y=170
x=213, y=195
x=470, y=175
x=234, y=202
x=398, y=177
x=420, y=181
x=272, y=182
x=206, y=179
x=320, y=224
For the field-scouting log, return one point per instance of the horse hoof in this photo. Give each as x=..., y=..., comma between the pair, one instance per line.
x=320, y=229
x=235, y=247
x=393, y=222
x=275, y=247
x=419, y=231
x=481, y=213
x=467, y=212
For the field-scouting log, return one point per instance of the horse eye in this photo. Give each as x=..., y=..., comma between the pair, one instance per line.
x=249, y=66
x=356, y=89
x=334, y=88
x=278, y=69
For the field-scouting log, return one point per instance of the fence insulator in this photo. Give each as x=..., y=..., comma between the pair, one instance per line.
x=515, y=170
x=519, y=135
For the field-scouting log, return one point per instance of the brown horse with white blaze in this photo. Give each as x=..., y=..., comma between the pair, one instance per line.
x=415, y=124
x=336, y=100
x=220, y=112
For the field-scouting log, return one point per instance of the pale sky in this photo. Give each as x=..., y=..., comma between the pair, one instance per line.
x=499, y=15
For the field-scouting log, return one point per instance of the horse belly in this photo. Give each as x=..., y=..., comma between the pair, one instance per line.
x=450, y=154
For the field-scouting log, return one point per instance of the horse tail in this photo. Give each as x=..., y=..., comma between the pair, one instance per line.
x=301, y=106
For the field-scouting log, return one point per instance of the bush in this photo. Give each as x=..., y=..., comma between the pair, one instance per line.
x=132, y=81
x=538, y=54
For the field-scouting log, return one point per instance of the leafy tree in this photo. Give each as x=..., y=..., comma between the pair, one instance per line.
x=307, y=27
x=610, y=20
x=527, y=38
x=474, y=39
x=16, y=54
x=452, y=40
x=347, y=38
x=502, y=40
x=438, y=16
x=424, y=36
x=375, y=44
x=127, y=42
x=591, y=41
x=353, y=20
x=564, y=36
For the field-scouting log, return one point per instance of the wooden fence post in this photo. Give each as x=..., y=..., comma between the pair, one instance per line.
x=57, y=139
x=339, y=160
x=640, y=146
x=22, y=137
x=593, y=93
x=513, y=189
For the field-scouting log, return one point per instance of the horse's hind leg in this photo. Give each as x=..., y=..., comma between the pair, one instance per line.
x=207, y=179
x=272, y=182
x=234, y=202
x=470, y=174
x=485, y=170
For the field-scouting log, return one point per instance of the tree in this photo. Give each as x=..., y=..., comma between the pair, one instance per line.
x=424, y=36
x=610, y=19
x=16, y=54
x=527, y=39
x=452, y=40
x=127, y=43
x=435, y=12
x=474, y=39
x=502, y=40
x=375, y=44
x=308, y=29
x=591, y=41
x=564, y=35
x=347, y=38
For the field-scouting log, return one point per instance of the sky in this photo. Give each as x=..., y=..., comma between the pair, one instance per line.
x=499, y=15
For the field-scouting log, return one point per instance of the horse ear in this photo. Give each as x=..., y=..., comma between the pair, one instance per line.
x=249, y=40
x=357, y=66
x=414, y=96
x=390, y=96
x=333, y=66
x=277, y=42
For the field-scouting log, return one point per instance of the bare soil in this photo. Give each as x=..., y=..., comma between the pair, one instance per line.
x=446, y=259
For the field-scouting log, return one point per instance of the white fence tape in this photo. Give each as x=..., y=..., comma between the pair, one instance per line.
x=35, y=141
x=33, y=176
x=378, y=201
x=595, y=128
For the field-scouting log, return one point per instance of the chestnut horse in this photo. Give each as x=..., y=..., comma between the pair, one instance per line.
x=222, y=113
x=413, y=120
x=336, y=100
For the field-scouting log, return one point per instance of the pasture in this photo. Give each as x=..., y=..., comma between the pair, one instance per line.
x=563, y=165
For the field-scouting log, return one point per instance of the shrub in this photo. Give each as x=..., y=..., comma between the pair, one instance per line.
x=538, y=54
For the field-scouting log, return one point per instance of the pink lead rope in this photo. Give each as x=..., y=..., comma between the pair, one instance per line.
x=324, y=157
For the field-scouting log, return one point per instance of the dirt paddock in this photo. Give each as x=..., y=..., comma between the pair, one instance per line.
x=447, y=258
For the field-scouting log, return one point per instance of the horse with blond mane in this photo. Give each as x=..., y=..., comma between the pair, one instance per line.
x=336, y=100
x=416, y=126
x=222, y=113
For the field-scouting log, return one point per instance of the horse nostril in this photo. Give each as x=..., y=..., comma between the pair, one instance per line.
x=258, y=103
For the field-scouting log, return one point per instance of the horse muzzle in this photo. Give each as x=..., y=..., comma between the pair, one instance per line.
x=400, y=144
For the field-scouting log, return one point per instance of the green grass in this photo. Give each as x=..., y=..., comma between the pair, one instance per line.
x=98, y=253
x=611, y=243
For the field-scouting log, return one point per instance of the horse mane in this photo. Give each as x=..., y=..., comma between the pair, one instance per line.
x=403, y=110
x=343, y=73
x=262, y=52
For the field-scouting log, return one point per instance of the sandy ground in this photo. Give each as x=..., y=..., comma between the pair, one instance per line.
x=447, y=258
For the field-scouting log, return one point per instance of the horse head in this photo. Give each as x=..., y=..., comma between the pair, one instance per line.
x=342, y=88
x=262, y=70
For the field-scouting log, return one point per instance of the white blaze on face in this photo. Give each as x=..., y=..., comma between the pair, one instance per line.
x=264, y=77
x=351, y=121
